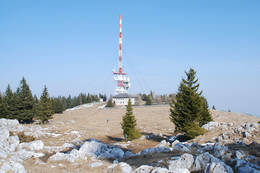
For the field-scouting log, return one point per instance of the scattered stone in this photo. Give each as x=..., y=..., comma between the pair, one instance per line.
x=160, y=170
x=219, y=150
x=219, y=167
x=95, y=164
x=143, y=169
x=155, y=150
x=11, y=166
x=203, y=160
x=246, y=134
x=210, y=125
x=185, y=161
x=125, y=168
x=175, y=142
x=181, y=147
x=239, y=154
x=32, y=146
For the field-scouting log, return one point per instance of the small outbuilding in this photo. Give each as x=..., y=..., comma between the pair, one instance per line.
x=122, y=99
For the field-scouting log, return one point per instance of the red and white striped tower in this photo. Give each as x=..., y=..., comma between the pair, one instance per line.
x=123, y=82
x=120, y=46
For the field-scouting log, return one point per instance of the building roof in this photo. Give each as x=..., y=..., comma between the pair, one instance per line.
x=123, y=95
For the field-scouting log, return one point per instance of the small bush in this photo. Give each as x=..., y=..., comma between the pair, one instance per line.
x=24, y=138
x=258, y=122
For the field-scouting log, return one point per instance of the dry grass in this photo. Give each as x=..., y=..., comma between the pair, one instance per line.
x=24, y=138
x=92, y=123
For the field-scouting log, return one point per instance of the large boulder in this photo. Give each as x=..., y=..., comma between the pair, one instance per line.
x=218, y=167
x=243, y=166
x=219, y=150
x=8, y=123
x=201, y=162
x=98, y=149
x=182, y=148
x=184, y=162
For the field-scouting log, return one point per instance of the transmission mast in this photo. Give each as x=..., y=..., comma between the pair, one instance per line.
x=123, y=81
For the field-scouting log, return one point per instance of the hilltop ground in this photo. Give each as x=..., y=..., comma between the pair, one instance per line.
x=93, y=121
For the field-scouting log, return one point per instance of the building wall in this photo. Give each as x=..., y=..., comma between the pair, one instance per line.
x=123, y=101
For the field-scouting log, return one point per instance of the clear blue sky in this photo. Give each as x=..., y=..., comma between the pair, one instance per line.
x=72, y=46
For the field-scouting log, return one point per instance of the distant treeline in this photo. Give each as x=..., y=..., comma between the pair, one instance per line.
x=61, y=103
x=25, y=107
x=151, y=98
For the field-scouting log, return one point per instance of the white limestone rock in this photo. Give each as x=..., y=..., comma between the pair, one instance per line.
x=182, y=147
x=4, y=135
x=184, y=162
x=143, y=169
x=125, y=168
x=8, y=123
x=180, y=170
x=218, y=167
x=11, y=166
x=175, y=142
x=219, y=150
x=210, y=125
x=155, y=150
x=95, y=164
x=202, y=160
x=239, y=154
x=32, y=146
x=160, y=170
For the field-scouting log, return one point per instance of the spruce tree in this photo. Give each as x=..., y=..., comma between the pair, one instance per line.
x=189, y=110
x=10, y=104
x=213, y=107
x=2, y=107
x=25, y=103
x=205, y=115
x=129, y=124
x=110, y=103
x=45, y=107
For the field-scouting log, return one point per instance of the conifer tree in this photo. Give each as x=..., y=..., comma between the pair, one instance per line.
x=10, y=104
x=45, y=107
x=24, y=103
x=129, y=123
x=205, y=115
x=189, y=110
x=213, y=107
x=110, y=103
x=2, y=107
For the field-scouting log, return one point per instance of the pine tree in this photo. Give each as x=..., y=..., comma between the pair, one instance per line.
x=25, y=103
x=189, y=110
x=129, y=124
x=213, y=107
x=45, y=107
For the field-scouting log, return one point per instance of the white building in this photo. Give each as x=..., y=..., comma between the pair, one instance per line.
x=122, y=99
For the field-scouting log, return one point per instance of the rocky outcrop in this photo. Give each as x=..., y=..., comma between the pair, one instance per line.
x=184, y=162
